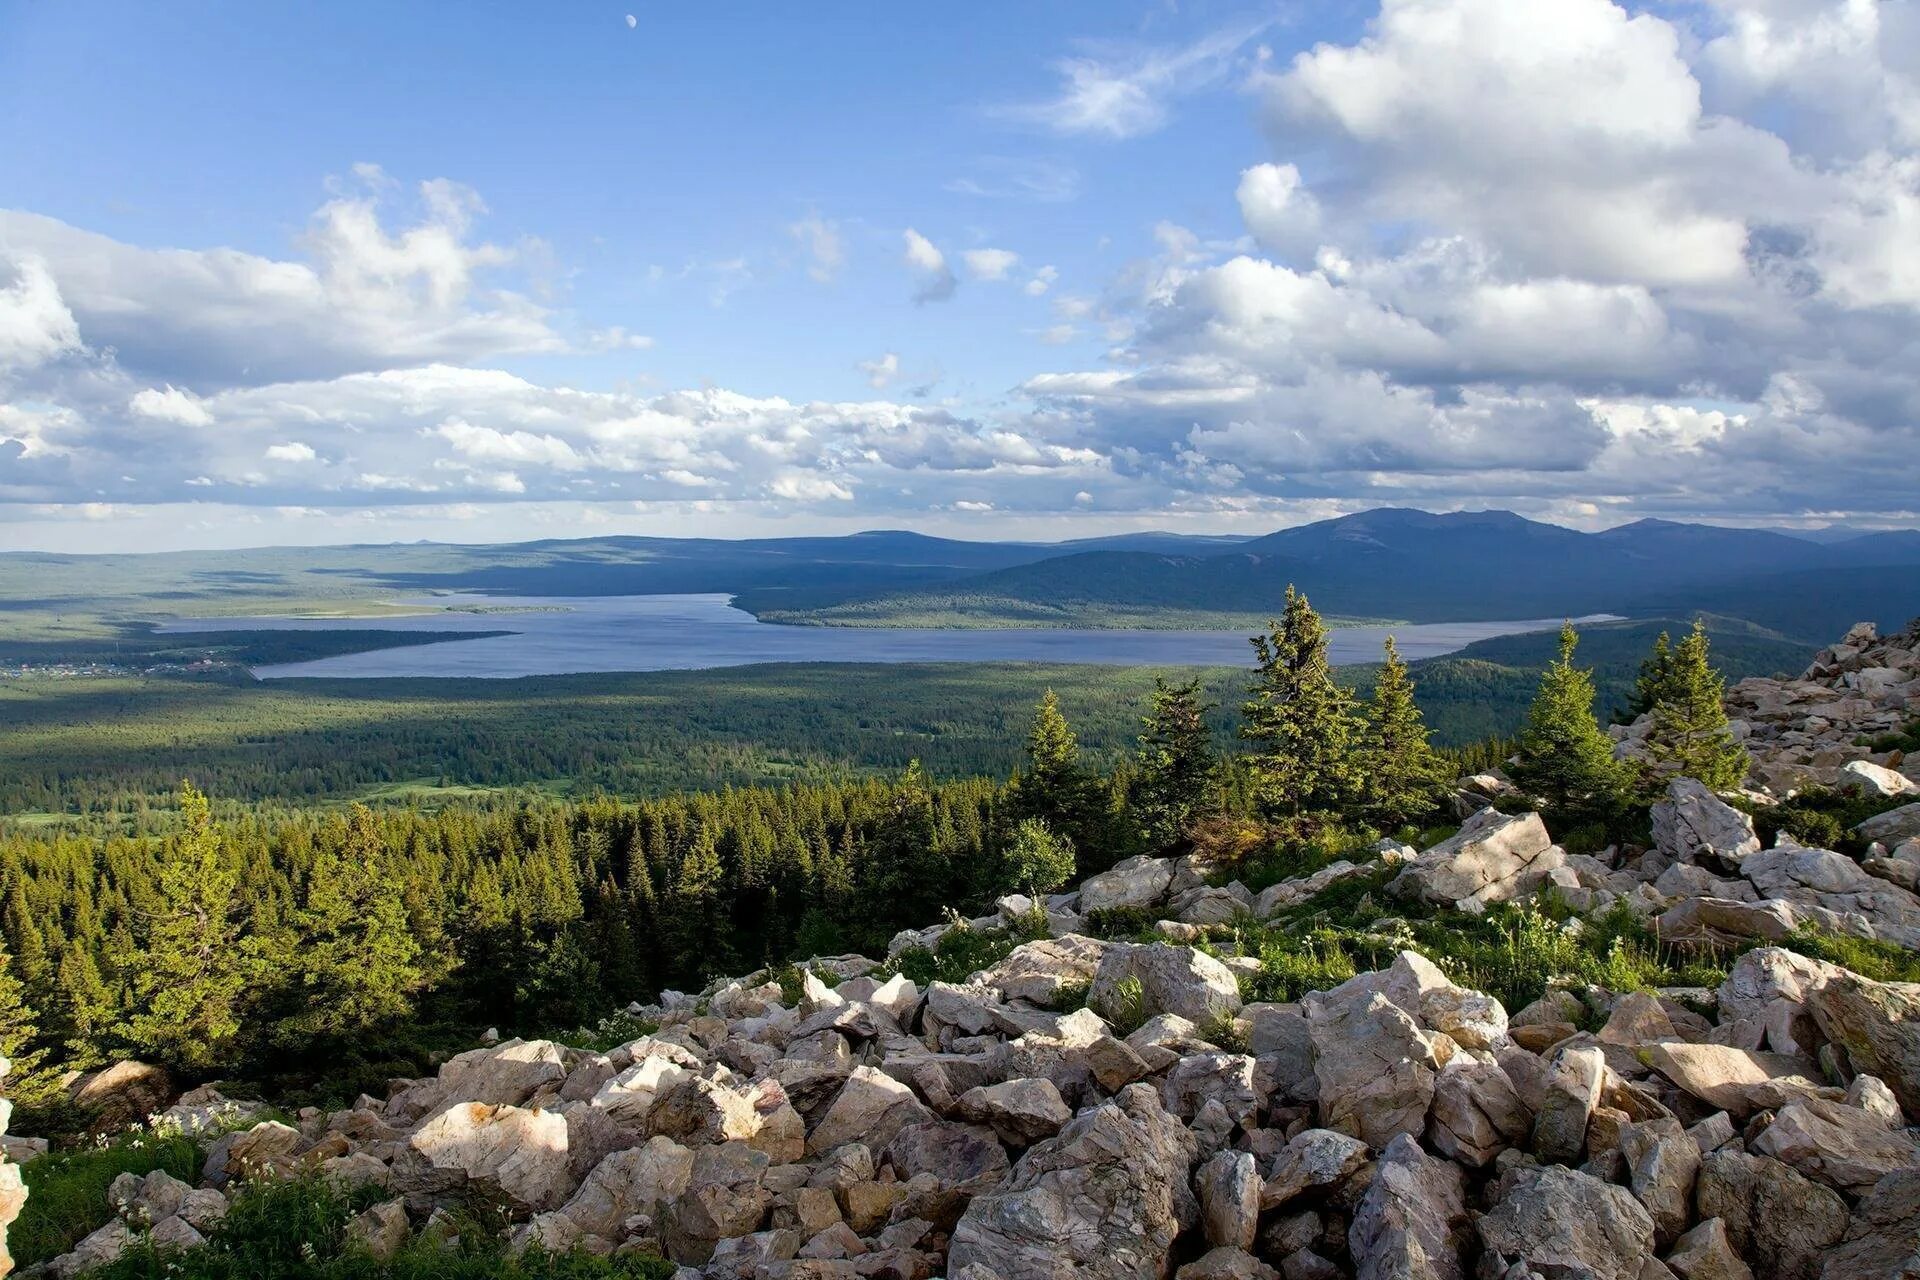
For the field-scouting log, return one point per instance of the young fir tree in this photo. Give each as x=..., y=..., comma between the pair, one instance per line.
x=1054, y=786
x=187, y=993
x=358, y=961
x=1037, y=860
x=1655, y=680
x=1303, y=724
x=1689, y=735
x=1564, y=758
x=1403, y=777
x=1175, y=763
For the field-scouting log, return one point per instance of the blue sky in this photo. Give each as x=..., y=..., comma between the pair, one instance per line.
x=301, y=273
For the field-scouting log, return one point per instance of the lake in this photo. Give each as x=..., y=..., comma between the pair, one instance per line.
x=561, y=636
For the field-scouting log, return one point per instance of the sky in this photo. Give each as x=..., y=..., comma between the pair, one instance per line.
x=275, y=274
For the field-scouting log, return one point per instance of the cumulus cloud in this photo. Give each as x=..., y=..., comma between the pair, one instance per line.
x=364, y=297
x=881, y=373
x=292, y=451
x=929, y=265
x=170, y=404
x=35, y=324
x=989, y=264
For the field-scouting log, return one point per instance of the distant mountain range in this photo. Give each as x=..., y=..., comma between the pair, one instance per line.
x=1402, y=564
x=1389, y=563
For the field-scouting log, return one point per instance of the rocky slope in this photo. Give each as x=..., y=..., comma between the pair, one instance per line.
x=1397, y=1125
x=1806, y=732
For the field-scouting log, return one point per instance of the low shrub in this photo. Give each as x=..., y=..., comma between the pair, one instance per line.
x=1115, y=923
x=607, y=1034
x=962, y=951
x=1822, y=818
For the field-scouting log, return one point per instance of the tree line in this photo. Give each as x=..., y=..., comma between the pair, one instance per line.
x=267, y=943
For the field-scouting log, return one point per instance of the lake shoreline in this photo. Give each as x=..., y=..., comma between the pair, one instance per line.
x=607, y=634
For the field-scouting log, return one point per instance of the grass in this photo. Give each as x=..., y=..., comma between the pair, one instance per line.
x=296, y=1230
x=1868, y=957
x=962, y=951
x=67, y=1191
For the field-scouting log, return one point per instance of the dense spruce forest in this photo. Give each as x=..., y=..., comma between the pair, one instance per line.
x=317, y=952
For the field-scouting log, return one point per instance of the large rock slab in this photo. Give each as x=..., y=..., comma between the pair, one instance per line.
x=635, y=1181
x=1493, y=858
x=1374, y=1064
x=1412, y=1224
x=1883, y=1241
x=1476, y=1113
x=1877, y=1026
x=1176, y=980
x=871, y=1108
x=520, y=1154
x=1137, y=882
x=1893, y=826
x=1229, y=1190
x=1104, y=1200
x=1694, y=825
x=1566, y=1225
x=1777, y=1220
x=1039, y=971
x=1734, y=1080
x=1844, y=1147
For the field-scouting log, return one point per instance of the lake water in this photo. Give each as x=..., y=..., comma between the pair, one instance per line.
x=560, y=636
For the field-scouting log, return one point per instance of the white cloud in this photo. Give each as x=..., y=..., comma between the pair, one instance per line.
x=801, y=487
x=989, y=264
x=366, y=297
x=937, y=281
x=35, y=324
x=881, y=373
x=1278, y=210
x=1041, y=281
x=292, y=451
x=170, y=404
x=826, y=251
x=488, y=444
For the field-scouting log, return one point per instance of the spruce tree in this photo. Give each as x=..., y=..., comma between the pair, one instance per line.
x=1403, y=777
x=84, y=1007
x=1565, y=760
x=1054, y=786
x=187, y=993
x=1689, y=736
x=358, y=960
x=1302, y=722
x=1655, y=679
x=1175, y=764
